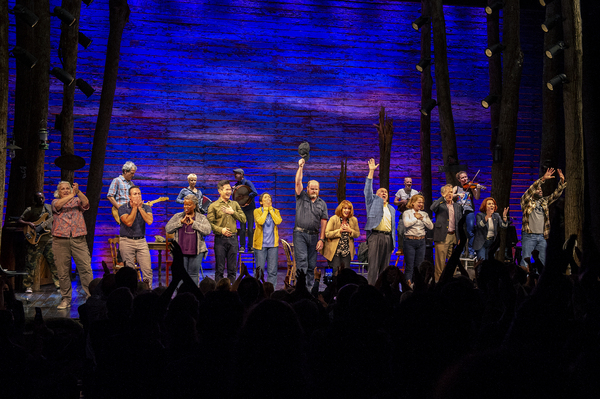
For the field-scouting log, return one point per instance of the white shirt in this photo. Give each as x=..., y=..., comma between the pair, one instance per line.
x=414, y=226
x=403, y=195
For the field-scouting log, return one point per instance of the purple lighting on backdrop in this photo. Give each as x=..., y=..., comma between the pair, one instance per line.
x=206, y=87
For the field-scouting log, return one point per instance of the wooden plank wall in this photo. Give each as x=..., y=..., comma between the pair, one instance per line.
x=208, y=86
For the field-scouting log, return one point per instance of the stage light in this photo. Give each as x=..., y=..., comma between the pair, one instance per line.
x=64, y=16
x=24, y=57
x=545, y=2
x=417, y=23
x=43, y=133
x=428, y=107
x=551, y=23
x=489, y=100
x=84, y=87
x=557, y=48
x=557, y=81
x=62, y=76
x=87, y=2
x=494, y=49
x=494, y=7
x=424, y=63
x=84, y=40
x=12, y=148
x=25, y=15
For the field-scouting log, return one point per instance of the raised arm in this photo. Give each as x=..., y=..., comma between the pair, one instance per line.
x=299, y=173
x=147, y=216
x=82, y=198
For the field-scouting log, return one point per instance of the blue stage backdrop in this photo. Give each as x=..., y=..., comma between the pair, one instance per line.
x=209, y=86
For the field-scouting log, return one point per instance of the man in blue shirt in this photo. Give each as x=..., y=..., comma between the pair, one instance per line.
x=380, y=227
x=134, y=216
x=248, y=209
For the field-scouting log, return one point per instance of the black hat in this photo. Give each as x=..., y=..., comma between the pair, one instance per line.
x=239, y=170
x=304, y=150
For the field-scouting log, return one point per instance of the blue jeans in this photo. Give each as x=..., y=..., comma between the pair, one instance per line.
x=483, y=251
x=305, y=251
x=414, y=253
x=193, y=264
x=471, y=223
x=530, y=242
x=270, y=256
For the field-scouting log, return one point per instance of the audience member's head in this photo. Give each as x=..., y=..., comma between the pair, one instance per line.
x=268, y=288
x=127, y=277
x=223, y=285
x=207, y=285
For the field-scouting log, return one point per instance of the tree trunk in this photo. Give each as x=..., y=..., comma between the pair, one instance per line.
x=16, y=200
x=119, y=13
x=386, y=132
x=68, y=45
x=572, y=99
x=3, y=96
x=426, y=89
x=442, y=81
x=341, y=182
x=591, y=124
x=495, y=73
x=552, y=121
x=509, y=108
x=40, y=94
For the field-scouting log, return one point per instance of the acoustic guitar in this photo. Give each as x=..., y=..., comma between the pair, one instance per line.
x=115, y=210
x=32, y=234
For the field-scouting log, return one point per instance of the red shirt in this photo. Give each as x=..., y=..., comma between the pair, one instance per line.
x=68, y=222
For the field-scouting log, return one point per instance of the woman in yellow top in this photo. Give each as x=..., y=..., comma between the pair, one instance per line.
x=266, y=237
x=341, y=230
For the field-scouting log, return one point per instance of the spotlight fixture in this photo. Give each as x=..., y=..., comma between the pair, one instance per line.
x=417, y=23
x=424, y=63
x=84, y=40
x=551, y=22
x=85, y=87
x=43, y=133
x=87, y=2
x=64, y=16
x=12, y=147
x=557, y=48
x=428, y=107
x=545, y=2
x=496, y=5
x=25, y=15
x=557, y=81
x=24, y=57
x=494, y=49
x=61, y=75
x=489, y=100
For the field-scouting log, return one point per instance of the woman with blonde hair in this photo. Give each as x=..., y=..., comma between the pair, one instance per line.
x=416, y=221
x=341, y=230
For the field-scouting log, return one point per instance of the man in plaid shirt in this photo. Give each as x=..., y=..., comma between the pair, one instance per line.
x=118, y=192
x=536, y=221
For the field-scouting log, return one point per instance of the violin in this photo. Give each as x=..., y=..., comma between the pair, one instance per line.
x=472, y=185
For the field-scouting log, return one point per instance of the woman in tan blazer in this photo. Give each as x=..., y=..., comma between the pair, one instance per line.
x=342, y=229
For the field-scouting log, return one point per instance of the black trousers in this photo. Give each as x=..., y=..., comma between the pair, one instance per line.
x=226, y=250
x=242, y=232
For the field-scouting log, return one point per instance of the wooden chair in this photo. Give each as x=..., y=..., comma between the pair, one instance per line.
x=290, y=278
x=113, y=243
